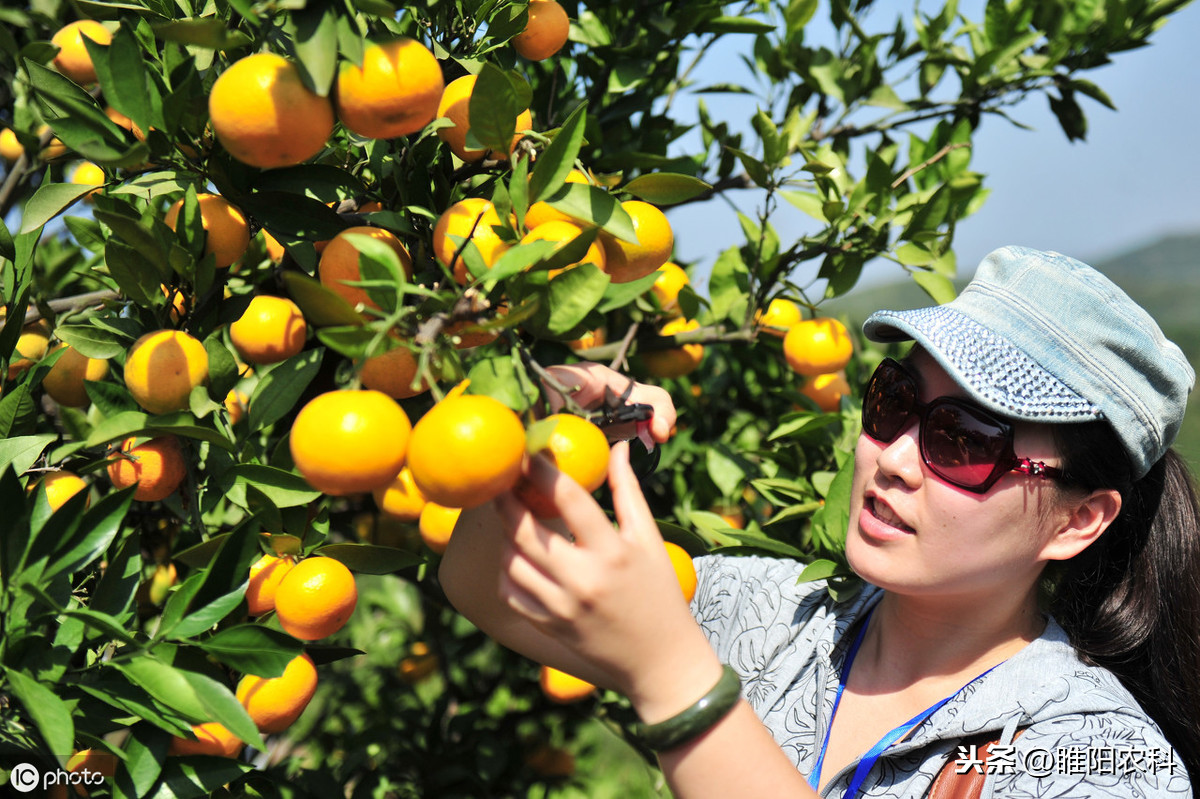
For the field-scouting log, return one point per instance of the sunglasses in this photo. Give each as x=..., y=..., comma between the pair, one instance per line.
x=961, y=442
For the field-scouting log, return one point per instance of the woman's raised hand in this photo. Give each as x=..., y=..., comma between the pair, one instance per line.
x=590, y=380
x=608, y=594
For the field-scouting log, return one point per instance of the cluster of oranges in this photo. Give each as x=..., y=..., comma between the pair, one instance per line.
x=817, y=349
x=312, y=599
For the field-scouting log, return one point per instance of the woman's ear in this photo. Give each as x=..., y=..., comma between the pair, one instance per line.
x=1086, y=520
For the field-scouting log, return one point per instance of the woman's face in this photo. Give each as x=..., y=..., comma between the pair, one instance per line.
x=912, y=533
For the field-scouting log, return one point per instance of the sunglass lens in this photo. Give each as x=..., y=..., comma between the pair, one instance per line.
x=962, y=447
x=889, y=401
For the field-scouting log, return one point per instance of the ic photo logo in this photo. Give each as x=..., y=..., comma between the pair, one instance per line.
x=25, y=778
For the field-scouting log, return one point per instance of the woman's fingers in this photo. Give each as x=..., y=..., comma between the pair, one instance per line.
x=629, y=503
x=588, y=381
x=582, y=516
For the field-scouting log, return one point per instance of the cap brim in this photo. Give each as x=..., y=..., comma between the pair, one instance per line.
x=994, y=373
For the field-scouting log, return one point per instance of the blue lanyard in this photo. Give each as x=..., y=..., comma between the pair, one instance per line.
x=867, y=762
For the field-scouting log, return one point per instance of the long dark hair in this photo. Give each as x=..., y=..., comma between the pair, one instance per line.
x=1131, y=601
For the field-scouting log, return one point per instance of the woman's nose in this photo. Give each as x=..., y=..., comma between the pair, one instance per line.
x=901, y=458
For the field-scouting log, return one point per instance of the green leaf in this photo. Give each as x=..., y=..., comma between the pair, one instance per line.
x=371, y=559
x=97, y=530
x=939, y=287
x=666, y=188
x=206, y=614
x=724, y=469
x=166, y=684
x=21, y=452
x=51, y=715
x=121, y=70
x=735, y=25
x=92, y=341
x=253, y=649
x=138, y=278
x=557, y=160
x=317, y=44
x=285, y=489
x=209, y=32
x=573, y=295
x=50, y=200
x=729, y=285
x=821, y=569
x=277, y=392
x=596, y=206
x=320, y=306
x=493, y=110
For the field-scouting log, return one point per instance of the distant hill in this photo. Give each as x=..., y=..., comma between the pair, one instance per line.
x=1163, y=276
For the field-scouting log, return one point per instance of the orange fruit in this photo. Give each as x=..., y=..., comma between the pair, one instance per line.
x=579, y=449
x=455, y=105
x=163, y=367
x=236, y=404
x=160, y=583
x=685, y=571
x=474, y=219
x=394, y=93
x=592, y=338
x=671, y=280
x=466, y=450
x=401, y=499
x=32, y=346
x=156, y=467
x=779, y=317
x=265, y=116
x=316, y=598
x=88, y=174
x=73, y=59
x=265, y=575
x=564, y=233
x=547, y=760
x=418, y=664
x=545, y=33
x=339, y=263
x=436, y=523
x=272, y=329
x=817, y=346
x=92, y=763
x=563, y=688
x=64, y=381
x=10, y=145
x=227, y=232
x=275, y=250
x=542, y=212
x=122, y=121
x=628, y=262
x=274, y=703
x=393, y=373
x=347, y=442
x=178, y=301
x=211, y=739
x=826, y=390
x=676, y=361
x=60, y=486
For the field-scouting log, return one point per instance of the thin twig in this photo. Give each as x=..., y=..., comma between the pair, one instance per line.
x=928, y=162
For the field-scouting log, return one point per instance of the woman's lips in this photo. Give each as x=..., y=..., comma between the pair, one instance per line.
x=883, y=513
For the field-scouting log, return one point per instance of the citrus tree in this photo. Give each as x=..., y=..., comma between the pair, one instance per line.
x=282, y=281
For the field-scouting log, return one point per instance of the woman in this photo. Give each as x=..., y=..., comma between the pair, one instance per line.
x=1022, y=448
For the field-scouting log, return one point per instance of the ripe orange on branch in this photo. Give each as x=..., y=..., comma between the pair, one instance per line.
x=563, y=233
x=60, y=486
x=316, y=598
x=73, y=59
x=545, y=33
x=563, y=688
x=779, y=317
x=349, y=442
x=32, y=345
x=339, y=262
x=393, y=372
x=541, y=211
x=400, y=499
x=436, y=524
x=163, y=367
x=675, y=361
x=227, y=231
x=579, y=449
x=685, y=570
x=655, y=241
x=156, y=467
x=455, y=105
x=266, y=574
x=671, y=280
x=274, y=703
x=394, y=93
x=265, y=116
x=270, y=330
x=64, y=382
x=475, y=219
x=826, y=390
x=817, y=346
x=212, y=738
x=466, y=450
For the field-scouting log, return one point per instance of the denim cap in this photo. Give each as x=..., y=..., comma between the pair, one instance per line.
x=1042, y=337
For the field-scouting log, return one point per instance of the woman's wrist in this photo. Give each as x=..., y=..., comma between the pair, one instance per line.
x=697, y=718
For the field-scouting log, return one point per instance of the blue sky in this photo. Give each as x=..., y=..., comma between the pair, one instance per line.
x=1134, y=179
